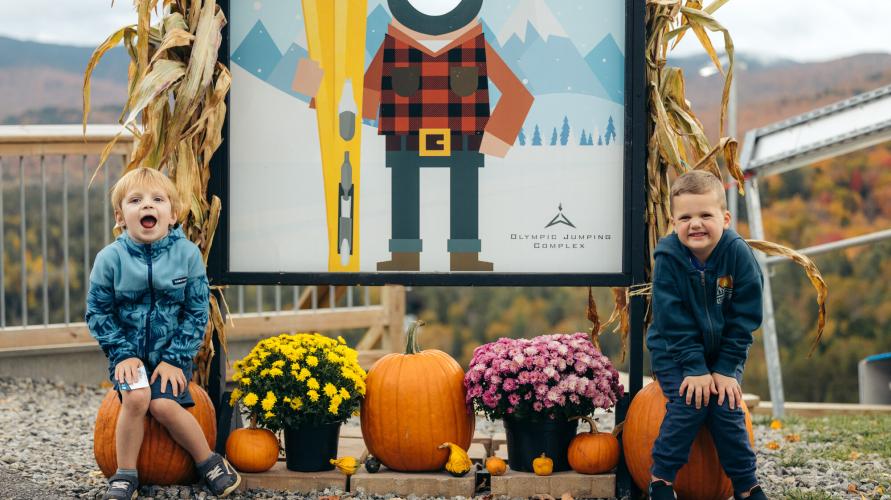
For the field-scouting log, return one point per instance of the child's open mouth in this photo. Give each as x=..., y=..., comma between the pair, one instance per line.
x=698, y=235
x=148, y=221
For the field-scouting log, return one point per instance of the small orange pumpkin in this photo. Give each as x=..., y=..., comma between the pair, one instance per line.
x=543, y=466
x=496, y=466
x=702, y=478
x=161, y=461
x=252, y=449
x=593, y=452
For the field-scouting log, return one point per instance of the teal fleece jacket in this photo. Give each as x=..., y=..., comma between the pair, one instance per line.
x=149, y=301
x=703, y=318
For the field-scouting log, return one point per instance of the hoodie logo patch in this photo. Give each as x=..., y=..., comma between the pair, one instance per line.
x=180, y=281
x=725, y=289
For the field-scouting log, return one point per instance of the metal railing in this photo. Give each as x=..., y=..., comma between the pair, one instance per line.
x=55, y=214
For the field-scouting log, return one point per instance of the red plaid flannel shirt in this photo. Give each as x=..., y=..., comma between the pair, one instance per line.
x=408, y=87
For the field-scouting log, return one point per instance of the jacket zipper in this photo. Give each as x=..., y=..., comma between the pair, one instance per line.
x=148, y=317
x=708, y=316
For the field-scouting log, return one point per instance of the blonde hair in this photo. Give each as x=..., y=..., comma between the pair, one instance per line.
x=143, y=176
x=699, y=182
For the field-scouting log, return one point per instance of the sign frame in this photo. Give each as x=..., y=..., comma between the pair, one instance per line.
x=633, y=208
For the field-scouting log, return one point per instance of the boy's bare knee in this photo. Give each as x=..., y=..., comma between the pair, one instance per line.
x=163, y=409
x=136, y=401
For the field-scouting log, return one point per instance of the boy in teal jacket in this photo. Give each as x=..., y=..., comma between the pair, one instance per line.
x=147, y=307
x=706, y=304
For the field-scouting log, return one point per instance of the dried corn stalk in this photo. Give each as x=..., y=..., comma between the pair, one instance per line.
x=175, y=110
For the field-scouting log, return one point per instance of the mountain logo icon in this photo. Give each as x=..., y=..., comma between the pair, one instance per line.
x=560, y=218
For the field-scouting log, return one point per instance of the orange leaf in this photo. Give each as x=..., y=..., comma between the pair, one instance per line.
x=773, y=445
x=776, y=425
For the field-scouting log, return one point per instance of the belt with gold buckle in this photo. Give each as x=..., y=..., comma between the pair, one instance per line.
x=444, y=142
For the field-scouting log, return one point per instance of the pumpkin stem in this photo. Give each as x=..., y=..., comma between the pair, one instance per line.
x=253, y=422
x=411, y=341
x=590, y=422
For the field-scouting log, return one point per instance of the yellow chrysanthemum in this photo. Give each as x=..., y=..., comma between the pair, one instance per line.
x=278, y=364
x=341, y=340
x=304, y=374
x=313, y=395
x=312, y=361
x=313, y=384
x=269, y=401
x=269, y=414
x=236, y=395
x=330, y=390
x=251, y=399
x=275, y=372
x=345, y=394
x=296, y=403
x=245, y=381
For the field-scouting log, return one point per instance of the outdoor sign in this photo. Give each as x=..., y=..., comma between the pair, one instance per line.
x=429, y=142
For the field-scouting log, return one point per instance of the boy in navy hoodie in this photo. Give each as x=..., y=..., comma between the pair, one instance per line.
x=706, y=304
x=147, y=308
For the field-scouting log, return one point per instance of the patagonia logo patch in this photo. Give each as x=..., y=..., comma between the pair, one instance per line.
x=725, y=289
x=180, y=281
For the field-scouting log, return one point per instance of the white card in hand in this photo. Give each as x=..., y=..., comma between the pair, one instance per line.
x=141, y=381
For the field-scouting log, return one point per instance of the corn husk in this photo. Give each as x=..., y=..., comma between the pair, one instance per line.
x=175, y=109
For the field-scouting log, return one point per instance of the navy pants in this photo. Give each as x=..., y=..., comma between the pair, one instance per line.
x=681, y=425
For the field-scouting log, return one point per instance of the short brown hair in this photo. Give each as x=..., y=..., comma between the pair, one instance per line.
x=699, y=182
x=143, y=176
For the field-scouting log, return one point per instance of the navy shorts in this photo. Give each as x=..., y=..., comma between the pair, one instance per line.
x=184, y=399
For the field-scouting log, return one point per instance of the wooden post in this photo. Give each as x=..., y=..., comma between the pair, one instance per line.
x=393, y=302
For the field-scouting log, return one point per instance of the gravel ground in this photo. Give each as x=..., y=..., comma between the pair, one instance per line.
x=46, y=451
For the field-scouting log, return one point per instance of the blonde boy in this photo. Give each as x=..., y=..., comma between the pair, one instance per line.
x=147, y=308
x=706, y=304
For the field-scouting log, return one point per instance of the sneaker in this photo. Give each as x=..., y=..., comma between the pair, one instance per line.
x=220, y=477
x=121, y=487
x=755, y=493
x=660, y=490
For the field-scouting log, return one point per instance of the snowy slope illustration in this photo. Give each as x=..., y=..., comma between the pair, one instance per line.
x=534, y=12
x=283, y=74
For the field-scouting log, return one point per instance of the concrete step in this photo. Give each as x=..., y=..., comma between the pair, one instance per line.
x=280, y=478
x=524, y=484
x=438, y=484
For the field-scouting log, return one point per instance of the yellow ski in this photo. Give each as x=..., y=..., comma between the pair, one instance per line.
x=335, y=33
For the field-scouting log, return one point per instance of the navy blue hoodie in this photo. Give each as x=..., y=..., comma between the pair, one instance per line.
x=703, y=317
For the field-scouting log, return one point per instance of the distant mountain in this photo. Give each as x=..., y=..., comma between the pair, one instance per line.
x=556, y=66
x=608, y=64
x=258, y=53
x=534, y=13
x=40, y=82
x=772, y=89
x=283, y=74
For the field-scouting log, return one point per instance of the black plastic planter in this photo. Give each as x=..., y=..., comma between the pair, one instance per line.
x=311, y=448
x=527, y=440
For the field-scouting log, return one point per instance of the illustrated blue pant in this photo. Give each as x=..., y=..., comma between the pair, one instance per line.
x=463, y=168
x=681, y=425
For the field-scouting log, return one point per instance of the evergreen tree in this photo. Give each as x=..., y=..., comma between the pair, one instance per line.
x=564, y=132
x=536, y=137
x=590, y=139
x=584, y=140
x=522, y=137
x=610, y=134
x=554, y=137
x=600, y=140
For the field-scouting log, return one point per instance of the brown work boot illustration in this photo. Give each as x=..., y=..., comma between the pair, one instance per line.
x=469, y=261
x=401, y=261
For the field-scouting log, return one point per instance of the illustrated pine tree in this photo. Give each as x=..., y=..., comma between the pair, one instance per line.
x=564, y=132
x=584, y=140
x=610, y=134
x=554, y=137
x=600, y=140
x=536, y=137
x=522, y=137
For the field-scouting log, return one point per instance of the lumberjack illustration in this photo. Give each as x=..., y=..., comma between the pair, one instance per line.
x=428, y=88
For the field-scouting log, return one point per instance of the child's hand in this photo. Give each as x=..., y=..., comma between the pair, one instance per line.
x=127, y=370
x=170, y=373
x=730, y=387
x=698, y=389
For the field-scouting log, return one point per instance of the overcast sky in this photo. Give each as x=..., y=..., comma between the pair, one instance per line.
x=804, y=30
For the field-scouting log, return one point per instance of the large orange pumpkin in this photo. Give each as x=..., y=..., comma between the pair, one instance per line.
x=252, y=449
x=593, y=452
x=702, y=478
x=161, y=461
x=413, y=403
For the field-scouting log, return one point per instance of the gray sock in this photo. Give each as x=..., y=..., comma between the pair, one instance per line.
x=129, y=473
